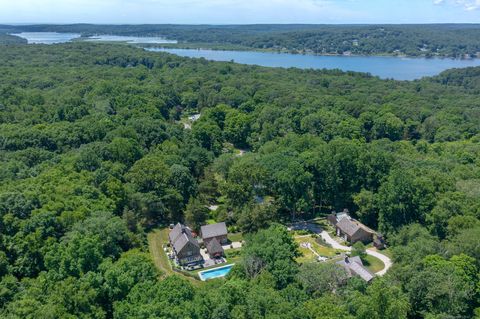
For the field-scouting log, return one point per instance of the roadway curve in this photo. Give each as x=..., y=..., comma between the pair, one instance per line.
x=335, y=245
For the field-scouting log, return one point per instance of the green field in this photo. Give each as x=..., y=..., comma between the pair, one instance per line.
x=308, y=255
x=235, y=237
x=373, y=264
x=156, y=239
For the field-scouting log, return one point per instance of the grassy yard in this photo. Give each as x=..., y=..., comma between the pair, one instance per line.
x=235, y=236
x=387, y=252
x=308, y=255
x=156, y=239
x=373, y=264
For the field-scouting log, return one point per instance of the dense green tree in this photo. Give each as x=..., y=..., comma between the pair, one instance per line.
x=92, y=159
x=321, y=278
x=196, y=213
x=274, y=250
x=403, y=199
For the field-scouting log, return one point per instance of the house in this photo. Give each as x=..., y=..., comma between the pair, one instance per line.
x=185, y=247
x=215, y=249
x=354, y=267
x=333, y=218
x=352, y=231
x=216, y=231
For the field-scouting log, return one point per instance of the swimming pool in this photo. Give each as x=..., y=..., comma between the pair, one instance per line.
x=215, y=272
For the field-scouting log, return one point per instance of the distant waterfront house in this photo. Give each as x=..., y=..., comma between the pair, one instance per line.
x=185, y=247
x=216, y=231
x=354, y=267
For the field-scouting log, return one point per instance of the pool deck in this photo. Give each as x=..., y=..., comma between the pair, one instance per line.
x=200, y=274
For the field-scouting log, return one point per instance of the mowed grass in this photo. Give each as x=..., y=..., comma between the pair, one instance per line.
x=308, y=255
x=235, y=237
x=373, y=264
x=156, y=239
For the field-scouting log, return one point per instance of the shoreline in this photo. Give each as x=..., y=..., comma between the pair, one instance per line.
x=151, y=47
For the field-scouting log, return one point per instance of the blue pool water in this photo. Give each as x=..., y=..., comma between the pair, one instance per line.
x=215, y=272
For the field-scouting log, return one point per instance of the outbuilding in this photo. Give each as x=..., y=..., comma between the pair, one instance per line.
x=216, y=231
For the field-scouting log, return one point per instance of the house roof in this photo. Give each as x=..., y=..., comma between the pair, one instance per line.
x=347, y=226
x=180, y=236
x=175, y=232
x=214, y=230
x=354, y=266
x=214, y=247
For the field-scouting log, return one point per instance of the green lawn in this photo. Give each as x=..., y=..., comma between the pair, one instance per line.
x=308, y=255
x=235, y=237
x=387, y=252
x=373, y=264
x=156, y=239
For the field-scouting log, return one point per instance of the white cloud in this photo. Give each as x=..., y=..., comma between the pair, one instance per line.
x=238, y=11
x=468, y=5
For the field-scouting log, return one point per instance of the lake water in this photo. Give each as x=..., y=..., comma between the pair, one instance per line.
x=384, y=67
x=47, y=37
x=55, y=37
x=398, y=68
x=132, y=40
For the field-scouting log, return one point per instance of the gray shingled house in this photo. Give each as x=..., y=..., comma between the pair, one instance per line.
x=214, y=248
x=185, y=247
x=354, y=267
x=216, y=231
x=352, y=231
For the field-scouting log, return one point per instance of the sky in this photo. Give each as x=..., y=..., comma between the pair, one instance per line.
x=239, y=11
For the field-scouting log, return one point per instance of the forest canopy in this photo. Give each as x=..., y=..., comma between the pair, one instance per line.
x=445, y=40
x=95, y=154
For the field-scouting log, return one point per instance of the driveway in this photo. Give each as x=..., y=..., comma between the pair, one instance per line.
x=372, y=252
x=386, y=261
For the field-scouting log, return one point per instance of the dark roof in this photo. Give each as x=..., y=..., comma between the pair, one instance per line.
x=347, y=226
x=180, y=236
x=214, y=247
x=175, y=232
x=214, y=230
x=354, y=266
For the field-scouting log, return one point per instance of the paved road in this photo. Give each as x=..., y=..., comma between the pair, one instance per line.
x=335, y=245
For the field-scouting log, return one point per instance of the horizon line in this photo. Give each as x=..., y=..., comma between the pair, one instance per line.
x=235, y=24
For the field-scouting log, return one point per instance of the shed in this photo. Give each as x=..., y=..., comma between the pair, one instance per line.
x=214, y=248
